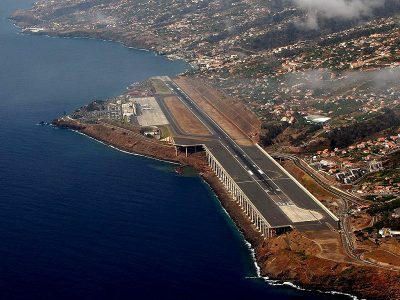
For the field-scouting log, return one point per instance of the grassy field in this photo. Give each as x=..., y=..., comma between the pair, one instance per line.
x=165, y=131
x=160, y=87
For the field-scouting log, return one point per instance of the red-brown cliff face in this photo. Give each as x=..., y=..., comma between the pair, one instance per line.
x=313, y=259
x=296, y=258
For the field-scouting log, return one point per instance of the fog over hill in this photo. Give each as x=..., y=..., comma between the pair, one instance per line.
x=283, y=58
x=336, y=9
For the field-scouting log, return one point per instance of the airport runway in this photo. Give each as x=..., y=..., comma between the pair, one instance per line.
x=280, y=199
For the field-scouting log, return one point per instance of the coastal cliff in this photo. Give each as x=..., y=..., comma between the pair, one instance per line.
x=296, y=256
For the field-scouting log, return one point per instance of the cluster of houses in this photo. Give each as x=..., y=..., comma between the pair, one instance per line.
x=351, y=175
x=122, y=109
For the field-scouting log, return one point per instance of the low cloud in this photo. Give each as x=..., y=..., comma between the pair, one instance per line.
x=374, y=81
x=335, y=9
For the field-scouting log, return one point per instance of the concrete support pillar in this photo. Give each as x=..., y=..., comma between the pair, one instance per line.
x=257, y=222
x=262, y=227
x=237, y=194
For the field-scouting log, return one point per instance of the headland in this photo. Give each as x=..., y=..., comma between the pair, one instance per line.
x=151, y=119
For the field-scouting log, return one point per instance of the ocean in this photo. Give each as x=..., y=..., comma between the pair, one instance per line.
x=80, y=220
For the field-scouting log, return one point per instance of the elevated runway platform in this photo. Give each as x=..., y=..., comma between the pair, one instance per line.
x=267, y=193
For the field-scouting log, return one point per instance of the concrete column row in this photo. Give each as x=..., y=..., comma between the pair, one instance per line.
x=237, y=194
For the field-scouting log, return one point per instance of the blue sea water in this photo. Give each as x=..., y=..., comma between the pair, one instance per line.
x=79, y=220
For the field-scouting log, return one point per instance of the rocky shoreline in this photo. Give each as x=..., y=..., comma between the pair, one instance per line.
x=291, y=257
x=27, y=23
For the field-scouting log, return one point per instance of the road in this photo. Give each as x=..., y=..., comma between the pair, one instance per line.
x=226, y=140
x=348, y=202
x=274, y=186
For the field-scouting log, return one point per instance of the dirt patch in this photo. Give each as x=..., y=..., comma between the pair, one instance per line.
x=328, y=199
x=294, y=257
x=303, y=258
x=217, y=114
x=330, y=245
x=360, y=221
x=392, y=245
x=382, y=256
x=130, y=140
x=186, y=120
x=232, y=108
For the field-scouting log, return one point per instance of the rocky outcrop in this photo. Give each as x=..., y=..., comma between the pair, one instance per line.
x=295, y=258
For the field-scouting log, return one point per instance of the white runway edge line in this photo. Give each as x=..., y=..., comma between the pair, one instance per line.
x=258, y=275
x=298, y=184
x=251, y=249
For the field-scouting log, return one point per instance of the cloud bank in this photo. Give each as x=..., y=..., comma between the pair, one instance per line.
x=336, y=9
x=376, y=80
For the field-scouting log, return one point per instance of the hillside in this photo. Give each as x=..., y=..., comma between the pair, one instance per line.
x=322, y=76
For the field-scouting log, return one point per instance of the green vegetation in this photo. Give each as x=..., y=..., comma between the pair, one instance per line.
x=164, y=131
x=160, y=87
x=270, y=130
x=387, y=221
x=389, y=173
x=340, y=107
x=384, y=207
x=383, y=198
x=345, y=136
x=95, y=105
